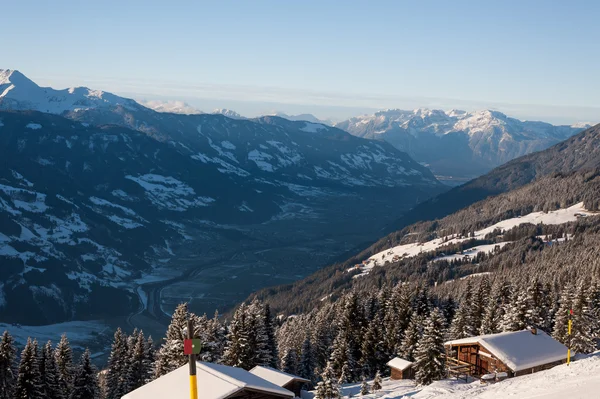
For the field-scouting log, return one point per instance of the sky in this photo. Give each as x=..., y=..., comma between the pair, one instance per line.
x=530, y=59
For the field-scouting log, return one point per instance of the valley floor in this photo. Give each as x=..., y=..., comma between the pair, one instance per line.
x=581, y=379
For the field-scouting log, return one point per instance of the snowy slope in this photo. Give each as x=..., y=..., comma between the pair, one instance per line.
x=17, y=92
x=398, y=252
x=579, y=380
x=457, y=142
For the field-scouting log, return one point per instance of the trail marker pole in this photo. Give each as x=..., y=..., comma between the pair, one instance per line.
x=570, y=326
x=192, y=361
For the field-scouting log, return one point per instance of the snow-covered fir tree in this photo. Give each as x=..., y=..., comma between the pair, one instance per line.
x=7, y=366
x=561, y=321
x=149, y=359
x=496, y=309
x=170, y=356
x=582, y=335
x=430, y=355
x=239, y=351
x=118, y=367
x=29, y=385
x=289, y=363
x=377, y=382
x=515, y=318
x=364, y=388
x=328, y=387
x=49, y=373
x=464, y=324
x=137, y=367
x=306, y=367
x=85, y=382
x=63, y=355
x=412, y=335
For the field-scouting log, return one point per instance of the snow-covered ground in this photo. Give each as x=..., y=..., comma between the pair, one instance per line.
x=78, y=332
x=581, y=379
x=396, y=253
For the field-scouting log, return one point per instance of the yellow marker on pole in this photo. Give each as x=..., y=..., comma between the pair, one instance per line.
x=192, y=360
x=569, y=349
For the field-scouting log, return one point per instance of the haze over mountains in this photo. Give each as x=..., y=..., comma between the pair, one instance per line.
x=105, y=201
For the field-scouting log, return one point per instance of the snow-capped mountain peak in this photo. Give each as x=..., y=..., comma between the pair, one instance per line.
x=458, y=142
x=228, y=113
x=17, y=92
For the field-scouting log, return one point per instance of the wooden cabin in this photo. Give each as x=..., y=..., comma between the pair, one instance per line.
x=290, y=382
x=516, y=353
x=215, y=381
x=401, y=369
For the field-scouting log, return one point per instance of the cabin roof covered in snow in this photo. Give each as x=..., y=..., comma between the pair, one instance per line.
x=277, y=377
x=399, y=363
x=217, y=382
x=519, y=350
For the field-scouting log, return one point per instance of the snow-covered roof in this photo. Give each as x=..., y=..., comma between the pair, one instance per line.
x=275, y=376
x=399, y=363
x=215, y=381
x=519, y=350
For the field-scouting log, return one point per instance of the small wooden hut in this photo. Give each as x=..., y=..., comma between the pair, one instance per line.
x=401, y=369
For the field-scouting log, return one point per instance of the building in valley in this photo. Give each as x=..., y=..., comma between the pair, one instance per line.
x=401, y=369
x=288, y=381
x=215, y=381
x=516, y=353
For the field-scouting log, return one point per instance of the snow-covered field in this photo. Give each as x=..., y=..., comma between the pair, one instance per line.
x=78, y=332
x=581, y=379
x=396, y=253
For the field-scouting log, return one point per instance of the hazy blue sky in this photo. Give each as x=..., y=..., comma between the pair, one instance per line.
x=530, y=58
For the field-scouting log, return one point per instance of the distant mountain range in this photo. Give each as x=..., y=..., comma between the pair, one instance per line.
x=458, y=143
x=100, y=196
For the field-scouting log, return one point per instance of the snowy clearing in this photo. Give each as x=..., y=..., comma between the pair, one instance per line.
x=33, y=126
x=78, y=332
x=169, y=193
x=310, y=127
x=577, y=381
x=396, y=253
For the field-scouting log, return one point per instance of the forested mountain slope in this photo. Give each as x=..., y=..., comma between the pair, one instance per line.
x=559, y=177
x=580, y=152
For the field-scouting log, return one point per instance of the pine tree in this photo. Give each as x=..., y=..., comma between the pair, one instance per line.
x=137, y=365
x=582, y=338
x=430, y=356
x=7, y=366
x=263, y=334
x=29, y=379
x=412, y=335
x=341, y=355
x=515, y=318
x=270, y=332
x=118, y=367
x=561, y=321
x=239, y=351
x=170, y=355
x=289, y=363
x=149, y=359
x=328, y=388
x=364, y=388
x=49, y=373
x=495, y=309
x=306, y=368
x=480, y=302
x=85, y=383
x=64, y=366
x=377, y=382
x=463, y=324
